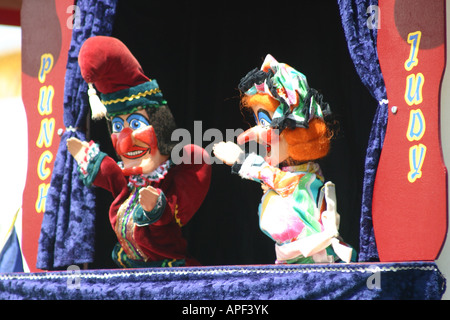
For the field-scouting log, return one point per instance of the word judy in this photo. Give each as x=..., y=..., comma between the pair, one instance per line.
x=413, y=97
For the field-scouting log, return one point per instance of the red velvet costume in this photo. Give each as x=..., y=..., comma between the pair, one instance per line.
x=184, y=187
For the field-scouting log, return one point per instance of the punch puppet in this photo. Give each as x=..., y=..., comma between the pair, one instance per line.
x=153, y=196
x=297, y=210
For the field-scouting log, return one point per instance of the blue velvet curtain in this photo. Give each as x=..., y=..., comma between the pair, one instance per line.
x=361, y=34
x=392, y=281
x=67, y=232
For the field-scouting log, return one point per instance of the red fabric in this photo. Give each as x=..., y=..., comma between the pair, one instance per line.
x=109, y=64
x=185, y=186
x=110, y=178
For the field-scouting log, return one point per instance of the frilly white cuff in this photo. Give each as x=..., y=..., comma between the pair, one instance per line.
x=90, y=153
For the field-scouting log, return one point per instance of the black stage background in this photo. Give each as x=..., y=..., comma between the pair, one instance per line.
x=198, y=53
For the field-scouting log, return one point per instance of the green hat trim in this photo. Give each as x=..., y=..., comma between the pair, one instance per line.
x=128, y=100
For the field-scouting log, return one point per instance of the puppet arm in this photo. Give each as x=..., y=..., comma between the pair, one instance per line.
x=88, y=156
x=100, y=170
x=228, y=152
x=152, y=205
x=257, y=169
x=254, y=167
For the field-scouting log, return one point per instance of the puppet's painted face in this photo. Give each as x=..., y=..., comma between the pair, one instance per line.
x=135, y=142
x=275, y=144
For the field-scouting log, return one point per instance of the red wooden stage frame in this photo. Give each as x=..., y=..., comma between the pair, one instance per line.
x=46, y=36
x=410, y=192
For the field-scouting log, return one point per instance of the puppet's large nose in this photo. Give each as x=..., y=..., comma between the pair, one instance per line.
x=259, y=134
x=124, y=141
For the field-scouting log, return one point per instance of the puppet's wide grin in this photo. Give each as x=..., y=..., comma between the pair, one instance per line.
x=136, y=152
x=134, y=144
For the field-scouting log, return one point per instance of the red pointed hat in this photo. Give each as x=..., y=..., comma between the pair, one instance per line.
x=107, y=64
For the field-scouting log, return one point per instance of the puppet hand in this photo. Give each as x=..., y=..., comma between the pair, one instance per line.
x=77, y=148
x=228, y=152
x=148, y=198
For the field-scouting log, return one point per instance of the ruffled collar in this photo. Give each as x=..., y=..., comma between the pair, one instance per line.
x=310, y=167
x=145, y=179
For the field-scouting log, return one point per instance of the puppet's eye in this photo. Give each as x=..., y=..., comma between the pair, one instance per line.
x=135, y=124
x=117, y=125
x=137, y=121
x=264, y=122
x=264, y=118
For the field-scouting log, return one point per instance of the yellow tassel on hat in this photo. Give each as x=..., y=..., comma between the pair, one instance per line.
x=97, y=107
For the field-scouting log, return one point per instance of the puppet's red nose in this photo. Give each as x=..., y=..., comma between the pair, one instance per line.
x=124, y=141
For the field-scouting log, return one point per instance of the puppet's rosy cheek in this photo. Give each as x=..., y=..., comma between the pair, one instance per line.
x=148, y=136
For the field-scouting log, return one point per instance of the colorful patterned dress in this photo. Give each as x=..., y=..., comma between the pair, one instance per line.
x=289, y=212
